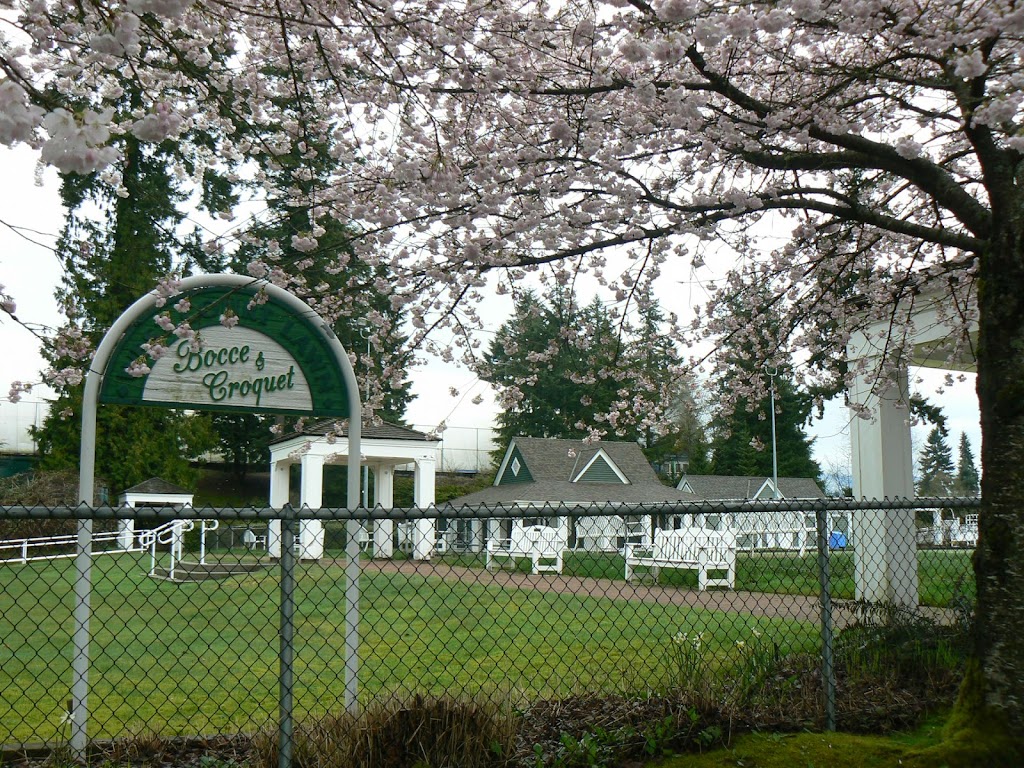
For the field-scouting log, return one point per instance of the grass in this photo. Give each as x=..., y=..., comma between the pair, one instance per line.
x=203, y=657
x=944, y=575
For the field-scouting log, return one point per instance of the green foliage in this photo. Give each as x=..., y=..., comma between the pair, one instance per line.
x=351, y=294
x=741, y=442
x=967, y=481
x=132, y=444
x=935, y=466
x=755, y=660
x=713, y=674
x=243, y=440
x=687, y=659
x=890, y=642
x=117, y=242
x=561, y=370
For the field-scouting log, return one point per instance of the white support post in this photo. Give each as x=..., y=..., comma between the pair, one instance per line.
x=280, y=479
x=424, y=535
x=476, y=535
x=126, y=534
x=885, y=541
x=311, y=532
x=383, y=496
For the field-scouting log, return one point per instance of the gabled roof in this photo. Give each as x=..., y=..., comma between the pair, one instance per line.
x=555, y=471
x=554, y=459
x=736, y=487
x=383, y=430
x=157, y=486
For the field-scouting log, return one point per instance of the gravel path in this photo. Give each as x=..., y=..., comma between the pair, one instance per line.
x=761, y=604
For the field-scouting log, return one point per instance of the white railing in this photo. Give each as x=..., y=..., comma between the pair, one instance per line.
x=173, y=534
x=40, y=547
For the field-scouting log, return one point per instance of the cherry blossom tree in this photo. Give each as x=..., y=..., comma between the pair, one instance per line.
x=849, y=156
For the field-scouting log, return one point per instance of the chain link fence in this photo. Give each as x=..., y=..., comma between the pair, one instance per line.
x=134, y=624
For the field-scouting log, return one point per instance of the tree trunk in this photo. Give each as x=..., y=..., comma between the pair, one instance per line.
x=999, y=558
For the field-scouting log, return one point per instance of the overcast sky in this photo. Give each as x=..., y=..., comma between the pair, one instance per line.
x=30, y=272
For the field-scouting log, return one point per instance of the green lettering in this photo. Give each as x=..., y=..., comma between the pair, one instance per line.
x=214, y=383
x=291, y=373
x=193, y=362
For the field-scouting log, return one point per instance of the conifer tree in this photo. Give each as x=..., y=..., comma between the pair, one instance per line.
x=967, y=481
x=936, y=466
x=742, y=433
x=120, y=237
x=581, y=368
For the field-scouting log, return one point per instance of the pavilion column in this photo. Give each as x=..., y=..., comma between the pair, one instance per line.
x=424, y=534
x=475, y=535
x=885, y=544
x=126, y=530
x=383, y=496
x=280, y=491
x=311, y=492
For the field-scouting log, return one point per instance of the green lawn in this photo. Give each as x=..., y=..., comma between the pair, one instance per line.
x=203, y=657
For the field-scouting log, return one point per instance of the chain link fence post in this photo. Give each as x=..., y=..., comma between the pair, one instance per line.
x=828, y=672
x=79, y=713
x=352, y=569
x=286, y=726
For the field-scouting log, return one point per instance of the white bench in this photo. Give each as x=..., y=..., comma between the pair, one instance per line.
x=544, y=545
x=687, y=549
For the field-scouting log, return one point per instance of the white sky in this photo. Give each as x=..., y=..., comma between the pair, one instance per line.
x=30, y=273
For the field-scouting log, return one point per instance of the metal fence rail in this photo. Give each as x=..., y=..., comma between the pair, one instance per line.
x=235, y=628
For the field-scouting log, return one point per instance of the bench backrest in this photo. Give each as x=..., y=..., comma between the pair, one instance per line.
x=693, y=545
x=537, y=538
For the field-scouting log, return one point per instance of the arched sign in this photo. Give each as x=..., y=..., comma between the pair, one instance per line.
x=222, y=342
x=255, y=349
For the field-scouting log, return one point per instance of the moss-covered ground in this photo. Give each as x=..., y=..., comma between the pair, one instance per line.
x=940, y=742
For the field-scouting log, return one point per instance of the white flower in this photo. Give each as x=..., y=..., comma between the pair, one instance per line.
x=167, y=8
x=138, y=368
x=161, y=124
x=18, y=118
x=970, y=66
x=75, y=147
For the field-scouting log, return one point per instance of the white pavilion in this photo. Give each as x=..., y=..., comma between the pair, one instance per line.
x=385, y=447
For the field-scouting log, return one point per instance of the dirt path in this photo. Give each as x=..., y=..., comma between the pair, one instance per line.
x=775, y=606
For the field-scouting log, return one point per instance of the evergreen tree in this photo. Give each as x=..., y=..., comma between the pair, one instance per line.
x=741, y=441
x=936, y=466
x=120, y=237
x=967, y=480
x=349, y=293
x=584, y=368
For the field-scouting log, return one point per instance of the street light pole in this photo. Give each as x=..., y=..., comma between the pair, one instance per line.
x=771, y=373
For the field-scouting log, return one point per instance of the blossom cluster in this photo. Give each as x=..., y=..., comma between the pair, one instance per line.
x=827, y=148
